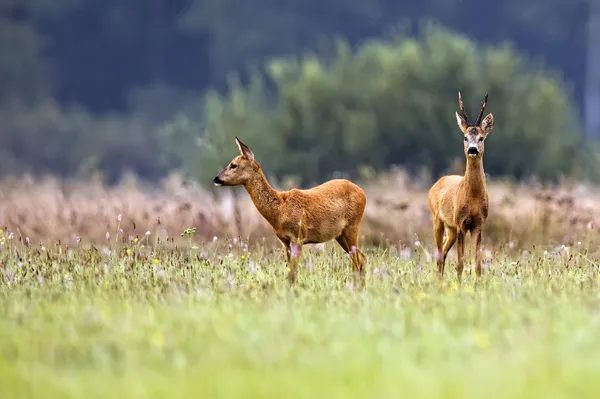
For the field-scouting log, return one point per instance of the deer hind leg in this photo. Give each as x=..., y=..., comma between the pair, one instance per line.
x=460, y=252
x=348, y=240
x=448, y=243
x=476, y=244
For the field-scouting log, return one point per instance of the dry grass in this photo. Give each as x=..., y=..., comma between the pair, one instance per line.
x=397, y=211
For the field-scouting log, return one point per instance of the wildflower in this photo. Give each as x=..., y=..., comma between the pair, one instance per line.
x=481, y=339
x=128, y=251
x=243, y=257
x=253, y=285
x=43, y=248
x=1, y=231
x=158, y=339
x=107, y=235
x=142, y=246
x=511, y=244
x=417, y=243
x=148, y=233
x=252, y=268
x=215, y=239
x=590, y=225
x=78, y=239
x=121, y=232
x=245, y=247
x=420, y=296
x=11, y=236
x=406, y=253
x=578, y=243
x=453, y=287
x=156, y=261
x=135, y=240
x=119, y=217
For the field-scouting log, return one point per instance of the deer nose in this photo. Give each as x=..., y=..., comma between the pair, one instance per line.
x=472, y=151
x=218, y=181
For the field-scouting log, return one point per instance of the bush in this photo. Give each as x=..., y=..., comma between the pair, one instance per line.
x=390, y=102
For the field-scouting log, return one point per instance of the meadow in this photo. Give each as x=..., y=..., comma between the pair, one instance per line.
x=140, y=292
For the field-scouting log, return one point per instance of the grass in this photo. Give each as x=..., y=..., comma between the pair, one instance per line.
x=52, y=209
x=214, y=321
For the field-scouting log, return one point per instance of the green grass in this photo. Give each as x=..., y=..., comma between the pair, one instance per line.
x=86, y=323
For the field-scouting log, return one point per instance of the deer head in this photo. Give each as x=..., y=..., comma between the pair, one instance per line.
x=474, y=133
x=240, y=169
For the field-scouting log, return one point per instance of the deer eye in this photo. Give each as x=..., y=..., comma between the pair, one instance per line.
x=466, y=139
x=233, y=166
x=481, y=139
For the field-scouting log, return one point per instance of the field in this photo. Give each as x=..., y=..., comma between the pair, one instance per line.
x=168, y=314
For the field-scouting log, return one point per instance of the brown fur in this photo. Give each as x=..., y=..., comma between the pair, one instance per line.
x=331, y=210
x=459, y=204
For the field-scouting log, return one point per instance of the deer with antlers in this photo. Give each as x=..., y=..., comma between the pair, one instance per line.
x=459, y=204
x=331, y=210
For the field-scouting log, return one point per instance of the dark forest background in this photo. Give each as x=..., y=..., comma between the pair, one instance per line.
x=316, y=88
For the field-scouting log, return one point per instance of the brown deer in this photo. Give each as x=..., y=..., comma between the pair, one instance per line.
x=459, y=204
x=333, y=209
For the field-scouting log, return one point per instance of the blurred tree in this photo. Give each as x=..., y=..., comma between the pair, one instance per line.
x=393, y=102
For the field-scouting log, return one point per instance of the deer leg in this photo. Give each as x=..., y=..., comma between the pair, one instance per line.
x=448, y=243
x=438, y=235
x=348, y=240
x=460, y=252
x=292, y=253
x=476, y=244
x=295, y=252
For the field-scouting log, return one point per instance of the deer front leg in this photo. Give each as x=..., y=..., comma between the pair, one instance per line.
x=460, y=252
x=476, y=244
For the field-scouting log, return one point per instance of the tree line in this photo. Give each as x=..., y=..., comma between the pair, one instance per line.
x=155, y=85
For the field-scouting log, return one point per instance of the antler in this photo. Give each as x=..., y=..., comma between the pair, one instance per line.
x=462, y=109
x=483, y=104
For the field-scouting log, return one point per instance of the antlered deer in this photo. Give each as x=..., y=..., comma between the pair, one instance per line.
x=459, y=204
x=333, y=209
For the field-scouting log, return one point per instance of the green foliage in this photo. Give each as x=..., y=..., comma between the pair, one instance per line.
x=393, y=102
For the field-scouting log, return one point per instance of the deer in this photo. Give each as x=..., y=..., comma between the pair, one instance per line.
x=333, y=209
x=459, y=204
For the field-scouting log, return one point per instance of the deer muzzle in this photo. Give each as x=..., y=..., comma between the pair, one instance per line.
x=218, y=181
x=472, y=151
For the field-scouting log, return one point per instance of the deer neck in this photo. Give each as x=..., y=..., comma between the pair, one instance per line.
x=474, y=181
x=264, y=197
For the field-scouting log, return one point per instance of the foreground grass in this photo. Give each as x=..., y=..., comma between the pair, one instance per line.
x=219, y=322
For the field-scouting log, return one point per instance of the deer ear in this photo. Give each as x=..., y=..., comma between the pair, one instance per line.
x=462, y=124
x=487, y=124
x=244, y=150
